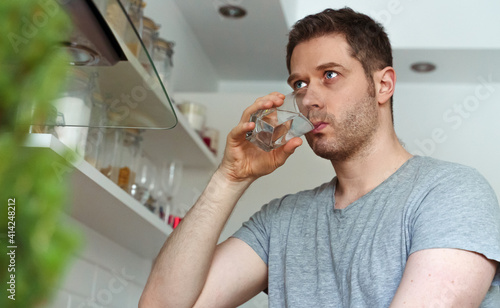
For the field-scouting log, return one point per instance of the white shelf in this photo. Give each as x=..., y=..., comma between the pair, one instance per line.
x=137, y=97
x=181, y=142
x=129, y=79
x=103, y=206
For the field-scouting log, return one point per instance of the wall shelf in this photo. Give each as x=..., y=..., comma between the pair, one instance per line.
x=101, y=205
x=181, y=142
x=127, y=88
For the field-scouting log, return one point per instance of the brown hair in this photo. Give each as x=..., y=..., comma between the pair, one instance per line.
x=368, y=41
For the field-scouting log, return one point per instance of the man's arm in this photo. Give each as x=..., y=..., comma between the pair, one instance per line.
x=444, y=278
x=236, y=275
x=190, y=264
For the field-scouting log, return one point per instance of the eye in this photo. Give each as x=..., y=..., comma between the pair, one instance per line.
x=299, y=84
x=330, y=74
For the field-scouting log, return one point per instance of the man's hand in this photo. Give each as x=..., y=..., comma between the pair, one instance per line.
x=243, y=161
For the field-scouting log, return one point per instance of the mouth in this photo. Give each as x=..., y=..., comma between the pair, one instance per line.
x=318, y=126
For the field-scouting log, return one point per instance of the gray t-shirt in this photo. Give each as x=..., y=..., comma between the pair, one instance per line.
x=318, y=256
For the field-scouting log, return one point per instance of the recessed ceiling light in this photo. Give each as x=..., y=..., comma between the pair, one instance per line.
x=232, y=11
x=423, y=67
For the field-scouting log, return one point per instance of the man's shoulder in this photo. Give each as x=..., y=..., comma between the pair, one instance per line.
x=434, y=167
x=448, y=176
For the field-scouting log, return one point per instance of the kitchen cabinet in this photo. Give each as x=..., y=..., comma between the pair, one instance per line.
x=98, y=202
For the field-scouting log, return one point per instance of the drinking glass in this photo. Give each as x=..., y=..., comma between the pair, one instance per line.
x=276, y=126
x=171, y=182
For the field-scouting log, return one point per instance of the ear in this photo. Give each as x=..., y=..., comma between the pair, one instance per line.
x=385, y=83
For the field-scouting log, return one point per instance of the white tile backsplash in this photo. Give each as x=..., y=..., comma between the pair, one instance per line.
x=62, y=299
x=133, y=295
x=80, y=278
x=112, y=289
x=81, y=302
x=109, y=255
x=106, y=275
x=103, y=274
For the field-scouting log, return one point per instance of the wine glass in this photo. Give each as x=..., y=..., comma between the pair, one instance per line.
x=144, y=181
x=159, y=198
x=171, y=182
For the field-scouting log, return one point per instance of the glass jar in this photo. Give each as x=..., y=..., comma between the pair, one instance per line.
x=129, y=152
x=194, y=114
x=135, y=12
x=96, y=132
x=49, y=121
x=107, y=152
x=74, y=108
x=163, y=51
x=116, y=16
x=149, y=35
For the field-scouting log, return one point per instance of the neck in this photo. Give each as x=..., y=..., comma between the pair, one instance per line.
x=367, y=169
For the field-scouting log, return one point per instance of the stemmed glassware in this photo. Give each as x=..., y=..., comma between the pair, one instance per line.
x=144, y=183
x=171, y=181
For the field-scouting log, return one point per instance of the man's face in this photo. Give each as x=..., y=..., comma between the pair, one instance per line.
x=337, y=97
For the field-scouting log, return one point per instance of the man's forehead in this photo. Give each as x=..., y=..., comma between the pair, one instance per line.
x=330, y=48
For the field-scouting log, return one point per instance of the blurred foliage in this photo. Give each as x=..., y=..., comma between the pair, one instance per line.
x=32, y=72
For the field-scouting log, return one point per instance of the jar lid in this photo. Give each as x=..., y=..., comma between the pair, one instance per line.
x=140, y=3
x=97, y=97
x=168, y=45
x=150, y=24
x=133, y=131
x=190, y=107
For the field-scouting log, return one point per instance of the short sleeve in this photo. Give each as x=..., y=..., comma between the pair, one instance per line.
x=256, y=231
x=460, y=211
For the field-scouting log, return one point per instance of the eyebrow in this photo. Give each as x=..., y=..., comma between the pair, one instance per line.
x=320, y=67
x=329, y=65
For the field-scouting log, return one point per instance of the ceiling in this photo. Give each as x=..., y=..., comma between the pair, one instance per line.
x=251, y=48
x=461, y=38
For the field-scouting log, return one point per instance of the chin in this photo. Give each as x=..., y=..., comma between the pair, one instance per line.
x=328, y=149
x=321, y=147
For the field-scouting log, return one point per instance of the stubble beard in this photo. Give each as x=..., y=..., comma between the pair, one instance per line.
x=353, y=133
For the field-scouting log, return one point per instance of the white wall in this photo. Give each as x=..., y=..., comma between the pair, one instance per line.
x=453, y=122
x=192, y=71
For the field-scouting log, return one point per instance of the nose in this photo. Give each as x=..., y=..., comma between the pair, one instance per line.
x=307, y=100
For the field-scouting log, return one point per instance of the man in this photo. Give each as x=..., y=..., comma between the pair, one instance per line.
x=389, y=230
